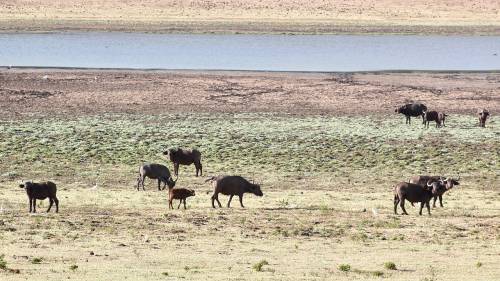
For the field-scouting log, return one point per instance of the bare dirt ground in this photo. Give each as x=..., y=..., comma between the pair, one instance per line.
x=254, y=16
x=76, y=92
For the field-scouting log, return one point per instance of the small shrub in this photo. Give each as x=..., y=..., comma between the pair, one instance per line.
x=164, y=273
x=73, y=267
x=36, y=260
x=345, y=267
x=259, y=266
x=186, y=268
x=390, y=265
x=378, y=273
x=479, y=264
x=3, y=263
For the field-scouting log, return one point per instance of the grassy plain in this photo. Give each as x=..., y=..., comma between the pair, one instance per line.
x=254, y=16
x=327, y=180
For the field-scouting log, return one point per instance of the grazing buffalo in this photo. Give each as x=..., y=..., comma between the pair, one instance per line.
x=180, y=156
x=432, y=116
x=155, y=171
x=232, y=185
x=412, y=109
x=441, y=118
x=179, y=193
x=415, y=193
x=483, y=115
x=448, y=183
x=41, y=191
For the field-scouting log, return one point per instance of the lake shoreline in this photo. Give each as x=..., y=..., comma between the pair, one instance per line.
x=243, y=27
x=39, y=93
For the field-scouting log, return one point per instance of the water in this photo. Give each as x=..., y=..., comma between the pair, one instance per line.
x=251, y=52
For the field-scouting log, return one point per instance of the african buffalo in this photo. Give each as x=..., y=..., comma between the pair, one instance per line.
x=448, y=183
x=412, y=109
x=179, y=193
x=431, y=116
x=415, y=193
x=180, y=156
x=41, y=191
x=232, y=185
x=483, y=115
x=155, y=171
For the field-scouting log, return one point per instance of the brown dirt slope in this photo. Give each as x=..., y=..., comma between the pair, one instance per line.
x=27, y=92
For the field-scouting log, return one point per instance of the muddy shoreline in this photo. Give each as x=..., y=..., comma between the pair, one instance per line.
x=71, y=92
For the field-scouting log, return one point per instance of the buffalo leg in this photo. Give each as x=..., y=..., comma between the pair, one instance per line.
x=229, y=202
x=198, y=168
x=50, y=204
x=441, y=200
x=421, y=207
x=159, y=184
x=216, y=197
x=142, y=182
x=138, y=182
x=31, y=204
x=57, y=204
x=184, y=203
x=180, y=202
x=396, y=202
x=402, y=204
x=176, y=169
x=241, y=200
x=408, y=120
x=169, y=204
x=34, y=205
x=434, y=202
x=428, y=205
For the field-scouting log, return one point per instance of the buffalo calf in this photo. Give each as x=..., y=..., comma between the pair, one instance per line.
x=179, y=193
x=41, y=191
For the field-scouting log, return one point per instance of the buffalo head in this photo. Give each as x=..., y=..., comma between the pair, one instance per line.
x=255, y=189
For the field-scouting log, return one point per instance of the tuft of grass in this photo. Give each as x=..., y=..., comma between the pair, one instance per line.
x=344, y=267
x=3, y=262
x=73, y=267
x=164, y=273
x=479, y=264
x=390, y=265
x=259, y=266
x=37, y=260
x=377, y=273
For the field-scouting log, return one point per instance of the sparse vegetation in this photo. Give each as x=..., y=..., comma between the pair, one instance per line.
x=323, y=175
x=390, y=265
x=36, y=260
x=344, y=267
x=3, y=263
x=260, y=265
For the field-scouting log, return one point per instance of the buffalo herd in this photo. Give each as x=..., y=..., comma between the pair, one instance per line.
x=418, y=109
x=419, y=189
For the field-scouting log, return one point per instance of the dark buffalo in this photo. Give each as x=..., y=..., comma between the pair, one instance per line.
x=431, y=116
x=232, y=185
x=179, y=193
x=155, y=171
x=483, y=115
x=180, y=156
x=415, y=193
x=448, y=183
x=41, y=191
x=412, y=109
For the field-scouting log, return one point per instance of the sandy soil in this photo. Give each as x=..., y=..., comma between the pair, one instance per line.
x=261, y=16
x=26, y=92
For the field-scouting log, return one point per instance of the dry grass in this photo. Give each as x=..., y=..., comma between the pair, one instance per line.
x=316, y=16
x=327, y=182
